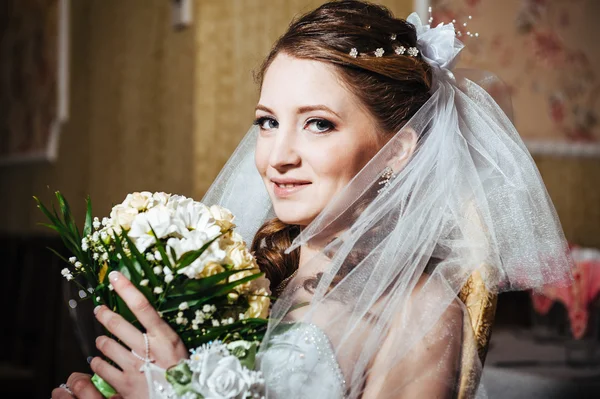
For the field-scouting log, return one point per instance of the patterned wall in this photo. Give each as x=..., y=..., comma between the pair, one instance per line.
x=545, y=51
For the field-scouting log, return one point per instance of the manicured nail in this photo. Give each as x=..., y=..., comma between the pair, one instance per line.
x=97, y=308
x=113, y=276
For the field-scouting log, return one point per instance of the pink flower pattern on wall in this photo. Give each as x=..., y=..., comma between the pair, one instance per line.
x=546, y=51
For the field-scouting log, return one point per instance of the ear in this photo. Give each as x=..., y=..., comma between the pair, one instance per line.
x=405, y=145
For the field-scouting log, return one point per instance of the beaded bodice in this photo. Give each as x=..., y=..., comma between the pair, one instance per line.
x=300, y=363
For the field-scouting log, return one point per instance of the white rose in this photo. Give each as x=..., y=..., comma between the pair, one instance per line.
x=137, y=200
x=221, y=377
x=123, y=216
x=159, y=199
x=223, y=217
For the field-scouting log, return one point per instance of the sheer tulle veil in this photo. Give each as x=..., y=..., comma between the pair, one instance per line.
x=390, y=263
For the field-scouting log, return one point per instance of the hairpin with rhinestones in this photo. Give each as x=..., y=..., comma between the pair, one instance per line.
x=399, y=50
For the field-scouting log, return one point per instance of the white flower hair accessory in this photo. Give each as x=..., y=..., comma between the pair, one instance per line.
x=439, y=46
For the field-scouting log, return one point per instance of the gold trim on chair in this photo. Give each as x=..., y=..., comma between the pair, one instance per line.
x=481, y=306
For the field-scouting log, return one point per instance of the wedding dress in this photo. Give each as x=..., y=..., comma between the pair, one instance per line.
x=301, y=363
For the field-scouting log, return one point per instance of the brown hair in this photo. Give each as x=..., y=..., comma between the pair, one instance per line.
x=391, y=87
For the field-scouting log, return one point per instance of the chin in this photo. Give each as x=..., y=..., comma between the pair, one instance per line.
x=290, y=214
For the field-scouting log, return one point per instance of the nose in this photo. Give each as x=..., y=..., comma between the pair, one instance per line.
x=284, y=154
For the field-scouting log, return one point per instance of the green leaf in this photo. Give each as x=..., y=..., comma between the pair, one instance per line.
x=59, y=256
x=199, y=286
x=189, y=257
x=50, y=216
x=65, y=209
x=193, y=339
x=87, y=227
x=216, y=291
x=125, y=261
x=142, y=261
x=65, y=236
x=161, y=250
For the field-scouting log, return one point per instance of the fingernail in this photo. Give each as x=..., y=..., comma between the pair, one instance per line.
x=97, y=308
x=113, y=276
x=98, y=339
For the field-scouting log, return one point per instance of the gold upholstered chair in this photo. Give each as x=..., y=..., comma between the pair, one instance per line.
x=481, y=306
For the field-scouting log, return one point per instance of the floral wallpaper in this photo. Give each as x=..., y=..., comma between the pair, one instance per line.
x=545, y=51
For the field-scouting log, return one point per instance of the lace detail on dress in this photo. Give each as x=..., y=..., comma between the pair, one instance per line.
x=300, y=363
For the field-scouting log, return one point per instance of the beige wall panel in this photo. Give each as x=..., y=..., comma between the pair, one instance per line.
x=131, y=122
x=574, y=186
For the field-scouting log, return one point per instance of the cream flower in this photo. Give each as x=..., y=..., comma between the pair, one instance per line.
x=137, y=200
x=122, y=216
x=223, y=217
x=240, y=257
x=258, y=304
x=211, y=269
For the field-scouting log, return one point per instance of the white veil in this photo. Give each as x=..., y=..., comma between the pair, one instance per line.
x=383, y=286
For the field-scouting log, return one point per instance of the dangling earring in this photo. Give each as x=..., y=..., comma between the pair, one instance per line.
x=386, y=176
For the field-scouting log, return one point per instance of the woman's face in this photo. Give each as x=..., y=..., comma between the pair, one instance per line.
x=314, y=137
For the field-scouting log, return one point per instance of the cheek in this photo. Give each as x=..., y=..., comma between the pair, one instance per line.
x=261, y=157
x=337, y=167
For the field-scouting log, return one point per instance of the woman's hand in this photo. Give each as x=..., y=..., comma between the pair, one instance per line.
x=80, y=386
x=165, y=347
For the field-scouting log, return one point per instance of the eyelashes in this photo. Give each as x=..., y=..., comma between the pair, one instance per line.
x=314, y=125
x=263, y=120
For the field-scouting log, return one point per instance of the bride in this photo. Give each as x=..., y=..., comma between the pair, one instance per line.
x=377, y=179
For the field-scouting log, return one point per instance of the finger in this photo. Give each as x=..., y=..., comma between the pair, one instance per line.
x=112, y=375
x=82, y=387
x=121, y=328
x=116, y=352
x=61, y=393
x=139, y=305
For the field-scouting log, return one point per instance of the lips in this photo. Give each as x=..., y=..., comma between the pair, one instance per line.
x=283, y=188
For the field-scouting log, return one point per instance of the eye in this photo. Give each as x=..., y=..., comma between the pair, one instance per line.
x=266, y=123
x=319, y=125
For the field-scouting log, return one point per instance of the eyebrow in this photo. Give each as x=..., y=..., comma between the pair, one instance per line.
x=302, y=110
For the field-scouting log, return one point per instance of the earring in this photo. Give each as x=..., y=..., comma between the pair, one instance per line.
x=386, y=176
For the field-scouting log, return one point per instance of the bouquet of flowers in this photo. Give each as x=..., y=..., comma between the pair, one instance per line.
x=196, y=271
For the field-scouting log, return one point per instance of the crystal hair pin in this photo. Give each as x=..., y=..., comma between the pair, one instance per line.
x=399, y=50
